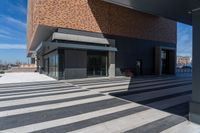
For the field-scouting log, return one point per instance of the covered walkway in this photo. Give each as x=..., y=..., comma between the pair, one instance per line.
x=185, y=11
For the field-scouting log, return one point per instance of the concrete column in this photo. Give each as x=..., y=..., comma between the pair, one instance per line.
x=36, y=62
x=195, y=103
x=172, y=62
x=111, y=70
x=158, y=63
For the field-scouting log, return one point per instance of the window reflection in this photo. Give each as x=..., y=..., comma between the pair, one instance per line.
x=51, y=66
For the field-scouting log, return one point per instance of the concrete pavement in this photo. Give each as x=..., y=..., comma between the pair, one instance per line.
x=60, y=107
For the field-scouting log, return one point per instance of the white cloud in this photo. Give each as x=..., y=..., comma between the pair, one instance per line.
x=12, y=46
x=14, y=21
x=9, y=36
x=9, y=32
x=5, y=36
x=18, y=6
x=4, y=32
x=22, y=9
x=184, y=41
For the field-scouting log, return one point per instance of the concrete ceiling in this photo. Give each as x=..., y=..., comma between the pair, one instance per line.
x=42, y=33
x=178, y=10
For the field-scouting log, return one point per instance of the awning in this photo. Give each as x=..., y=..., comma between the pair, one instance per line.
x=81, y=38
x=76, y=46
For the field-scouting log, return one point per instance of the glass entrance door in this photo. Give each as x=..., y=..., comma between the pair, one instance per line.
x=165, y=61
x=97, y=64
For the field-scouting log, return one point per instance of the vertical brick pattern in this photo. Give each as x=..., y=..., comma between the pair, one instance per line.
x=99, y=16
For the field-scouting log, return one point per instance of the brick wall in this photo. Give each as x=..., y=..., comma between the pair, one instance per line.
x=99, y=16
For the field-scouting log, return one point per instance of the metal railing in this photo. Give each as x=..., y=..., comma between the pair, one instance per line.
x=184, y=70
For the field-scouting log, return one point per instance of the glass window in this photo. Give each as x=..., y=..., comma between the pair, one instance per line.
x=53, y=66
x=163, y=54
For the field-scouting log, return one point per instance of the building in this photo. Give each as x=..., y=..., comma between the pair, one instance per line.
x=184, y=60
x=86, y=38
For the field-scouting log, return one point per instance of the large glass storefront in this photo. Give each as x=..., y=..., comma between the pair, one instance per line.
x=51, y=65
x=97, y=63
x=91, y=64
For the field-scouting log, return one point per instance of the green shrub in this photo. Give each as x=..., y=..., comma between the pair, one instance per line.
x=2, y=72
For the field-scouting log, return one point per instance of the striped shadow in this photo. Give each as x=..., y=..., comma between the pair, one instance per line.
x=103, y=88
x=184, y=127
x=159, y=125
x=132, y=83
x=33, y=88
x=49, y=102
x=149, y=89
x=155, y=94
x=50, y=106
x=35, y=93
x=72, y=109
x=94, y=121
x=166, y=103
x=179, y=109
x=125, y=123
x=44, y=98
x=41, y=95
x=86, y=81
x=10, y=85
x=70, y=120
x=124, y=88
x=169, y=96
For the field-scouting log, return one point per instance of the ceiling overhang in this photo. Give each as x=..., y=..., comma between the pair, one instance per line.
x=177, y=10
x=42, y=33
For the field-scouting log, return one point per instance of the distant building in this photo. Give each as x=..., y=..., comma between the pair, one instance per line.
x=184, y=60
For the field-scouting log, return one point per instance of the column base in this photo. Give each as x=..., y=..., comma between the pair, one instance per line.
x=111, y=70
x=194, y=114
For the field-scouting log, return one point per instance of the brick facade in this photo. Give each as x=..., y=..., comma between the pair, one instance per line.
x=99, y=16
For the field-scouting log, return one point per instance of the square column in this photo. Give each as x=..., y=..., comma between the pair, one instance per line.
x=111, y=69
x=158, y=64
x=195, y=103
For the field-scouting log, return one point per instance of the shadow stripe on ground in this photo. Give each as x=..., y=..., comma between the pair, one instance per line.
x=157, y=93
x=34, y=87
x=49, y=102
x=96, y=81
x=24, y=97
x=179, y=109
x=159, y=125
x=42, y=116
x=9, y=85
x=132, y=82
x=132, y=91
x=27, y=90
x=34, y=92
x=163, y=97
x=94, y=121
x=86, y=81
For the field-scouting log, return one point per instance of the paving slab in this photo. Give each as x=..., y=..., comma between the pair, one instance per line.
x=23, y=78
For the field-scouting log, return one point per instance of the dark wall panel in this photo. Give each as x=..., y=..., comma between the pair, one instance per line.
x=130, y=50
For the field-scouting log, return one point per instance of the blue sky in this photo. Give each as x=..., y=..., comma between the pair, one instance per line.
x=13, y=32
x=184, y=39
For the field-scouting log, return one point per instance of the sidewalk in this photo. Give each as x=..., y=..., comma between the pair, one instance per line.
x=23, y=77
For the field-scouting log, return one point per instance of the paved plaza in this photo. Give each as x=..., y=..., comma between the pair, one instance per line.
x=168, y=93
x=87, y=105
x=22, y=77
